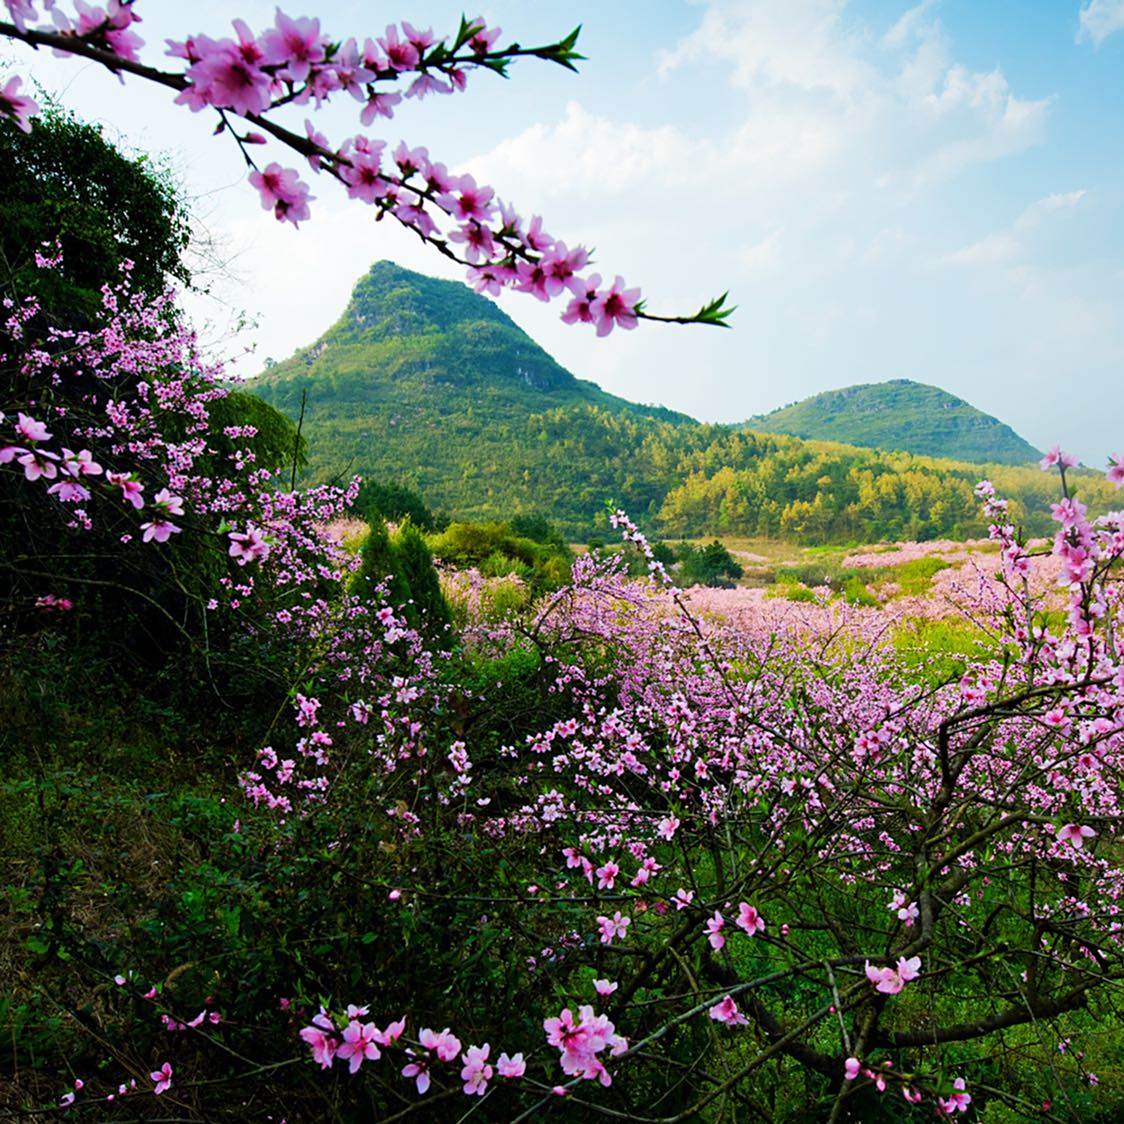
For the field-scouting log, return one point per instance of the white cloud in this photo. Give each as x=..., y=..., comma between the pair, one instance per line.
x=982, y=121
x=1099, y=19
x=802, y=44
x=584, y=153
x=1005, y=247
x=910, y=24
x=761, y=257
x=808, y=183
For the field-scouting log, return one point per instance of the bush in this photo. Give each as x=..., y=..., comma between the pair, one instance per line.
x=394, y=503
x=496, y=550
x=711, y=565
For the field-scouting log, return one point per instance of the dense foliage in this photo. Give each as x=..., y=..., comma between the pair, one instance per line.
x=378, y=499
x=905, y=415
x=525, y=547
x=65, y=183
x=399, y=567
x=710, y=564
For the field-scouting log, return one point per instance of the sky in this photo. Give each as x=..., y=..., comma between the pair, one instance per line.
x=931, y=191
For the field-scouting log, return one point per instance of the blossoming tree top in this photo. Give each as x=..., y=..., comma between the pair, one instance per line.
x=247, y=80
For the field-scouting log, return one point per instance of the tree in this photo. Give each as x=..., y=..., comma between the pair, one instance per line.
x=380, y=562
x=429, y=610
x=711, y=565
x=65, y=184
x=394, y=502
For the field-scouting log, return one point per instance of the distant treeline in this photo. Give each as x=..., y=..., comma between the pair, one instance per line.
x=690, y=480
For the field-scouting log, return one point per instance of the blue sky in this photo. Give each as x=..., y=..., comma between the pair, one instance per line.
x=929, y=191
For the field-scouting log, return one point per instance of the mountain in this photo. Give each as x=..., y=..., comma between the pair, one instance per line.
x=905, y=415
x=422, y=382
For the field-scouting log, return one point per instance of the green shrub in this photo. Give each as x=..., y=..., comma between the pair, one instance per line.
x=711, y=565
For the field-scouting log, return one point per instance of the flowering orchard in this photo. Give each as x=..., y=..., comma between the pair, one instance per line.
x=602, y=858
x=709, y=852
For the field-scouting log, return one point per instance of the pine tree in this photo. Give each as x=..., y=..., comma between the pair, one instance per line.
x=380, y=560
x=431, y=610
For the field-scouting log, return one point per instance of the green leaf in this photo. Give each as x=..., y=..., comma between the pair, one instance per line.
x=716, y=312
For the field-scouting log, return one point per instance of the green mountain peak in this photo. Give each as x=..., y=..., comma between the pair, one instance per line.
x=903, y=415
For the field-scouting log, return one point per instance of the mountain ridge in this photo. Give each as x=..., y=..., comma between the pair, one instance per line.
x=901, y=415
x=423, y=382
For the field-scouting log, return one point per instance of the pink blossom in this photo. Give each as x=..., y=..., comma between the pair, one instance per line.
x=890, y=981
x=1076, y=835
x=905, y=910
x=726, y=1011
x=958, y=1101
x=427, y=84
x=228, y=75
x=379, y=105
x=159, y=530
x=513, y=1066
x=1115, y=471
x=483, y=38
x=1055, y=457
x=162, y=1078
x=851, y=1068
x=444, y=1043
x=714, y=927
x=564, y=1031
x=580, y=308
x=363, y=175
x=476, y=1072
x=604, y=987
x=17, y=106
x=295, y=44
x=683, y=897
x=168, y=503
x=749, y=919
x=909, y=969
x=360, y=1043
x=477, y=240
x=668, y=826
x=615, y=306
x=421, y=40
x=613, y=927
x=130, y=489
x=282, y=190
x=31, y=430
x=606, y=875
x=81, y=463
x=39, y=464
x=418, y=1069
x=468, y=201
x=351, y=73
x=247, y=546
x=400, y=54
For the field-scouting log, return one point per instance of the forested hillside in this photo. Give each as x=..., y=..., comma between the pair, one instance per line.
x=902, y=414
x=425, y=383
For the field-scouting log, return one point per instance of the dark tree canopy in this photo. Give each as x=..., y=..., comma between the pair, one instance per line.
x=394, y=502
x=65, y=181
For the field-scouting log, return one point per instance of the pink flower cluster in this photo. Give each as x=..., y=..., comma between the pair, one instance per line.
x=295, y=62
x=890, y=981
x=359, y=1042
x=580, y=1040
